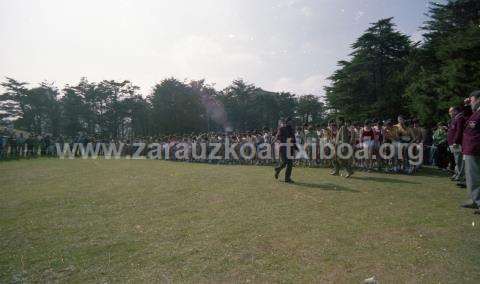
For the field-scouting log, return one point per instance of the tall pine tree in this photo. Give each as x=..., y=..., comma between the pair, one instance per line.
x=446, y=67
x=372, y=84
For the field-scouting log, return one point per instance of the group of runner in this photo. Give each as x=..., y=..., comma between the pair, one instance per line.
x=367, y=137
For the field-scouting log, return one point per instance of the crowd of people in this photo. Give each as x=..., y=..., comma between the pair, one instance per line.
x=463, y=140
x=368, y=136
x=460, y=141
x=454, y=147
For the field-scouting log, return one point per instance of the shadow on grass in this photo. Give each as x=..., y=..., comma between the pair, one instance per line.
x=432, y=172
x=385, y=179
x=325, y=186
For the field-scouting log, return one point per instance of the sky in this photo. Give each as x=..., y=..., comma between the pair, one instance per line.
x=281, y=45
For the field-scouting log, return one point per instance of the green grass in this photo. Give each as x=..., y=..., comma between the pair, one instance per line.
x=111, y=221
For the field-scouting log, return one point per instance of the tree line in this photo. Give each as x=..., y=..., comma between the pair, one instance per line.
x=387, y=74
x=113, y=109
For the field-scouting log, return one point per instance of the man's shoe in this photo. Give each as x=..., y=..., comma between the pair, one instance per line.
x=334, y=173
x=470, y=206
x=461, y=185
x=289, y=181
x=276, y=174
x=477, y=212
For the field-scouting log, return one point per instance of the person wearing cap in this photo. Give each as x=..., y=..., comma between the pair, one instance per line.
x=454, y=139
x=288, y=144
x=471, y=152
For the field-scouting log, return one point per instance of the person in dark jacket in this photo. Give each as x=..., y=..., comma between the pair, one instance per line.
x=286, y=137
x=471, y=152
x=439, y=147
x=454, y=139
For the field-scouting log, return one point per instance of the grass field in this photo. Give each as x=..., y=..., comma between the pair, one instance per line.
x=111, y=221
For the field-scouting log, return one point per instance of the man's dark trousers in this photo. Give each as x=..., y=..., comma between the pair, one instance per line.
x=285, y=162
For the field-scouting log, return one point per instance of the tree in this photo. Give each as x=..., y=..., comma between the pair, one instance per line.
x=371, y=84
x=176, y=108
x=239, y=102
x=215, y=114
x=310, y=108
x=74, y=112
x=89, y=107
x=115, y=110
x=42, y=113
x=446, y=67
x=35, y=110
x=249, y=107
x=136, y=121
x=12, y=102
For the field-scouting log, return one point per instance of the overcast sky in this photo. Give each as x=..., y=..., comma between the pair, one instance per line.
x=282, y=45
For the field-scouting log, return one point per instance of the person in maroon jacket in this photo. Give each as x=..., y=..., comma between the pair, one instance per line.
x=454, y=139
x=471, y=152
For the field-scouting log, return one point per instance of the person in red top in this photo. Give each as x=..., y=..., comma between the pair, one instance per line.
x=454, y=139
x=471, y=152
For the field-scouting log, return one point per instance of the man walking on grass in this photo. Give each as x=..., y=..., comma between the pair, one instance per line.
x=343, y=159
x=288, y=145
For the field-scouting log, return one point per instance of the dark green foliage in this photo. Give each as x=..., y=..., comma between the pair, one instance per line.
x=388, y=75
x=13, y=100
x=176, y=108
x=446, y=68
x=250, y=108
x=112, y=110
x=310, y=108
x=36, y=110
x=371, y=83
